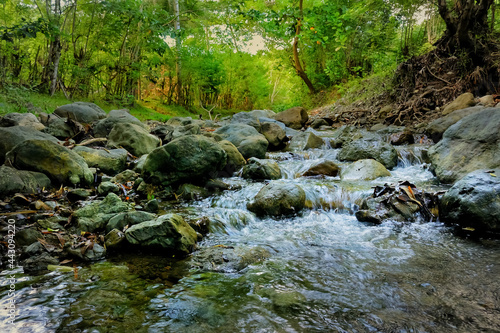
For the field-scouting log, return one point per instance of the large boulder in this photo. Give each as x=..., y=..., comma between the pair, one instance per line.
x=436, y=128
x=322, y=168
x=12, y=136
x=21, y=119
x=134, y=138
x=110, y=161
x=258, y=169
x=249, y=142
x=305, y=140
x=62, y=128
x=275, y=135
x=190, y=158
x=190, y=129
x=474, y=201
x=374, y=148
x=294, y=118
x=461, y=102
x=104, y=126
x=60, y=164
x=96, y=215
x=471, y=144
x=169, y=233
x=247, y=119
x=234, y=158
x=364, y=170
x=263, y=113
x=18, y=181
x=278, y=198
x=81, y=112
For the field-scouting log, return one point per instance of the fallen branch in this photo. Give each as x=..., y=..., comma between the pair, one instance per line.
x=89, y=141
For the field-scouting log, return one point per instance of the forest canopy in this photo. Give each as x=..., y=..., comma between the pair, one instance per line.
x=232, y=54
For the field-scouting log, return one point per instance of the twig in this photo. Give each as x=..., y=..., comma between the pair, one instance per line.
x=89, y=141
x=437, y=77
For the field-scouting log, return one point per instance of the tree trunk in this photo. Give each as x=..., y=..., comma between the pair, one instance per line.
x=178, y=68
x=298, y=66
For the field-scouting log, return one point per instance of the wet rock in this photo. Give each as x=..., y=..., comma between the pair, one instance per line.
x=260, y=170
x=169, y=232
x=81, y=112
x=121, y=220
x=227, y=259
x=294, y=118
x=38, y=263
x=234, y=158
x=97, y=252
x=471, y=144
x=275, y=135
x=190, y=158
x=305, y=140
x=12, y=136
x=78, y=194
x=375, y=149
x=95, y=215
x=323, y=168
x=273, y=121
x=461, y=102
x=53, y=222
x=61, y=129
x=436, y=128
x=125, y=176
x=134, y=138
x=110, y=161
x=60, y=164
x=474, y=201
x=21, y=119
x=107, y=187
x=114, y=239
x=248, y=140
x=104, y=126
x=191, y=192
x=364, y=170
x=250, y=119
x=138, y=164
x=18, y=181
x=152, y=206
x=27, y=236
x=317, y=123
x=278, y=198
x=401, y=138
x=347, y=134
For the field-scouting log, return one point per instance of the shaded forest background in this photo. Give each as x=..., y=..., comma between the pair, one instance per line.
x=234, y=55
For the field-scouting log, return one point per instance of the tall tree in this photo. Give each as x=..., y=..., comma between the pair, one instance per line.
x=298, y=66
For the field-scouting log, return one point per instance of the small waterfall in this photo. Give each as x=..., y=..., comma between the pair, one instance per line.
x=411, y=155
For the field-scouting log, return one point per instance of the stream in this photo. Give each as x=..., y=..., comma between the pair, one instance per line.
x=320, y=271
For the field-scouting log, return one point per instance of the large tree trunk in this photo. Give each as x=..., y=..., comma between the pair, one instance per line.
x=466, y=24
x=298, y=66
x=178, y=67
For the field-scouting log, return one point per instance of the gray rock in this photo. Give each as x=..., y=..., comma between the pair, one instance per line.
x=294, y=118
x=138, y=164
x=364, y=170
x=27, y=236
x=114, y=239
x=474, y=201
x=60, y=128
x=436, y=128
x=249, y=142
x=107, y=187
x=18, y=181
x=274, y=134
x=257, y=169
x=375, y=149
x=278, y=198
x=190, y=158
x=322, y=168
x=169, y=232
x=134, y=138
x=247, y=119
x=152, y=206
x=461, y=102
x=60, y=164
x=96, y=215
x=104, y=126
x=121, y=220
x=97, y=252
x=191, y=129
x=12, y=136
x=38, y=264
x=317, y=123
x=470, y=144
x=262, y=113
x=81, y=112
x=263, y=120
x=305, y=140
x=21, y=119
x=180, y=121
x=110, y=161
x=125, y=176
x=234, y=158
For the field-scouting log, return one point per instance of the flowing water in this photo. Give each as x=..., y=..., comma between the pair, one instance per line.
x=321, y=271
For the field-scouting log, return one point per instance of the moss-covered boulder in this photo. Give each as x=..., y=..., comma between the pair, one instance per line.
x=278, y=198
x=134, y=138
x=258, y=169
x=109, y=161
x=96, y=215
x=18, y=181
x=60, y=164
